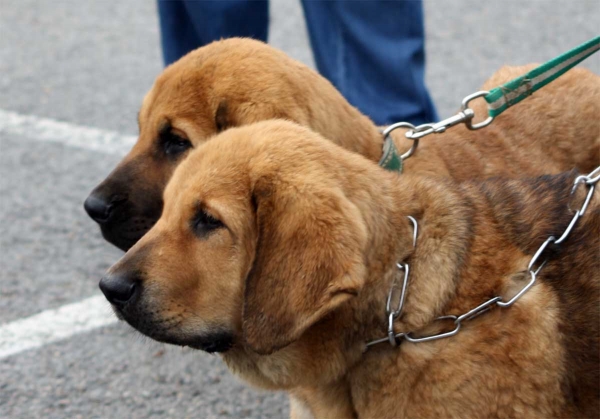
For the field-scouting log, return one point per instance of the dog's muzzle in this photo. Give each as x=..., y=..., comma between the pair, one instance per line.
x=119, y=221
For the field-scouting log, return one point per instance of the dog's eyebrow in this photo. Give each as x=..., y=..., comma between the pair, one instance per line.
x=164, y=127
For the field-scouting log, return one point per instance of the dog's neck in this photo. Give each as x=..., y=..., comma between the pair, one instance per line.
x=461, y=228
x=444, y=218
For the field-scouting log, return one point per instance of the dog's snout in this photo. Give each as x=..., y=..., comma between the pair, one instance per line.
x=119, y=288
x=100, y=208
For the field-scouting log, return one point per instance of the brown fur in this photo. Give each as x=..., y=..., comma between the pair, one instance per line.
x=299, y=272
x=240, y=81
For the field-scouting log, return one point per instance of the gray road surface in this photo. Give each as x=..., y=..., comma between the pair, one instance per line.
x=90, y=63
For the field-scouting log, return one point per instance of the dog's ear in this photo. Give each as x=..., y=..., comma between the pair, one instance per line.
x=222, y=121
x=309, y=260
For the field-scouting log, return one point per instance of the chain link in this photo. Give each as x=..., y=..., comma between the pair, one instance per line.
x=392, y=315
x=589, y=181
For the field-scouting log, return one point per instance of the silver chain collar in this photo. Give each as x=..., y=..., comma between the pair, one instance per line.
x=589, y=181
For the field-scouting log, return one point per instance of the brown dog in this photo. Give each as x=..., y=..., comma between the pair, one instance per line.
x=240, y=81
x=278, y=248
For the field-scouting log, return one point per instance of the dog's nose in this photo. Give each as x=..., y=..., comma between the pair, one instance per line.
x=118, y=288
x=99, y=208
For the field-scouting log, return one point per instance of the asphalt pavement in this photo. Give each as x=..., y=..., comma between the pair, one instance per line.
x=89, y=63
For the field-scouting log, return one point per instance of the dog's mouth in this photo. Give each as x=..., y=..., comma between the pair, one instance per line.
x=214, y=342
x=218, y=342
x=165, y=331
x=136, y=227
x=125, y=233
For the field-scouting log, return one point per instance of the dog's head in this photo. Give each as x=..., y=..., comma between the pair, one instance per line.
x=257, y=242
x=225, y=84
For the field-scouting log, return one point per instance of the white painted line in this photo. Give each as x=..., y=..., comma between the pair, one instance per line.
x=86, y=315
x=53, y=325
x=45, y=129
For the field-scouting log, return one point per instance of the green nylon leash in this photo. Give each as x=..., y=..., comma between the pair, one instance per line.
x=511, y=93
x=499, y=99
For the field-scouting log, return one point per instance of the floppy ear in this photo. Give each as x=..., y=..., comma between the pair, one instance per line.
x=309, y=260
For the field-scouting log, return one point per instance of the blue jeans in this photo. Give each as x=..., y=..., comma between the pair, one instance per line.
x=372, y=51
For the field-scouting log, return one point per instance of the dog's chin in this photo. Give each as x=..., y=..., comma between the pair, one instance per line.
x=217, y=341
x=124, y=234
x=122, y=237
x=122, y=243
x=118, y=313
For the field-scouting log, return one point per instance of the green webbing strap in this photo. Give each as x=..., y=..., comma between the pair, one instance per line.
x=498, y=99
x=503, y=97
x=391, y=159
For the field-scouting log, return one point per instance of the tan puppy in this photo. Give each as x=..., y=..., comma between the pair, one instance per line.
x=278, y=248
x=240, y=81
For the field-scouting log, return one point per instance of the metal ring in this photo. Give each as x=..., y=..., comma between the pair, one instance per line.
x=395, y=126
x=388, y=305
x=585, y=180
x=411, y=151
x=594, y=176
x=386, y=132
x=439, y=335
x=569, y=227
x=415, y=229
x=478, y=310
x=391, y=336
x=579, y=213
x=403, y=292
x=588, y=198
x=580, y=179
x=465, y=106
x=520, y=293
x=537, y=271
x=420, y=131
x=539, y=252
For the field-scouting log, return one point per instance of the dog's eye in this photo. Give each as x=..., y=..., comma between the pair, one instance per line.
x=203, y=224
x=173, y=144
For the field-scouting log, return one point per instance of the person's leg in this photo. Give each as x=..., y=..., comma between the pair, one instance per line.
x=373, y=52
x=187, y=25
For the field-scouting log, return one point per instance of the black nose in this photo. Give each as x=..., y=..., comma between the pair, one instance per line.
x=100, y=209
x=119, y=289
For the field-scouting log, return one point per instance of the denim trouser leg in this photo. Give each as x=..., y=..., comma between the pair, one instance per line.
x=187, y=25
x=373, y=52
